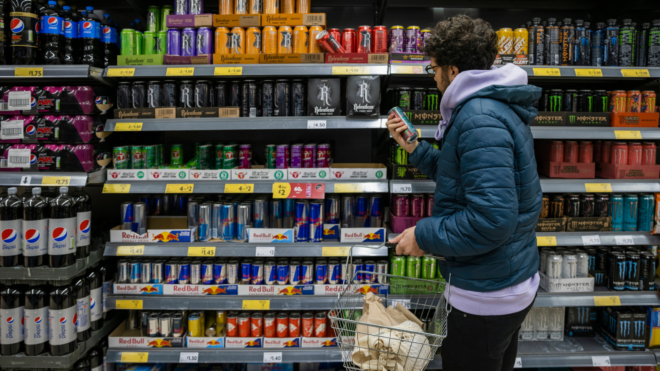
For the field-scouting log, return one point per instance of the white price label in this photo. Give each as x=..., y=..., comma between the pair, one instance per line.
x=188, y=357
x=600, y=361
x=265, y=251
x=26, y=180
x=12, y=129
x=401, y=188
x=591, y=240
x=404, y=302
x=317, y=124
x=19, y=101
x=18, y=158
x=518, y=363
x=273, y=357
x=624, y=240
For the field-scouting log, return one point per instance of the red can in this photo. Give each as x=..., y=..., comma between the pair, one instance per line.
x=257, y=325
x=320, y=320
x=270, y=325
x=598, y=146
x=348, y=40
x=429, y=205
x=586, y=152
x=244, y=325
x=308, y=324
x=619, y=153
x=328, y=43
x=379, y=39
x=648, y=101
x=282, y=325
x=556, y=151
x=571, y=151
x=635, y=153
x=334, y=32
x=364, y=39
x=648, y=155
x=232, y=324
x=294, y=325
x=605, y=153
x=633, y=100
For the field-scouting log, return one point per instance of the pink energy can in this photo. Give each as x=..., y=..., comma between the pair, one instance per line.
x=635, y=153
x=323, y=155
x=282, y=156
x=401, y=205
x=429, y=205
x=296, y=156
x=418, y=206
x=244, y=156
x=309, y=156
x=648, y=152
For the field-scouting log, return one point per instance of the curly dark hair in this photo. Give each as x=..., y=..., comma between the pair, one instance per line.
x=468, y=44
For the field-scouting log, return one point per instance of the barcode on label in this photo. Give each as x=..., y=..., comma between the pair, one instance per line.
x=316, y=19
x=4, y=106
x=379, y=58
x=165, y=113
x=19, y=159
x=11, y=131
x=19, y=102
x=3, y=163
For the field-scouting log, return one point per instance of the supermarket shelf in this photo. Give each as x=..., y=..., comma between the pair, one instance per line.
x=227, y=249
x=586, y=299
x=606, y=238
x=246, y=123
x=260, y=186
x=57, y=72
x=224, y=302
x=28, y=179
x=418, y=186
x=66, y=362
x=564, y=132
x=171, y=355
x=256, y=70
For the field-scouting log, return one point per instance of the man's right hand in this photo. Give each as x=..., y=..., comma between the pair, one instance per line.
x=396, y=127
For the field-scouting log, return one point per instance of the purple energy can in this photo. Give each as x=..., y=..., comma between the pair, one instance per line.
x=397, y=39
x=401, y=205
x=282, y=156
x=323, y=155
x=196, y=7
x=420, y=42
x=173, y=41
x=204, y=44
x=411, y=39
x=417, y=209
x=429, y=205
x=244, y=156
x=181, y=7
x=309, y=156
x=296, y=156
x=188, y=38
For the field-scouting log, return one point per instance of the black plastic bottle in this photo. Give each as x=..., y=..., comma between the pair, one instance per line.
x=83, y=222
x=71, y=40
x=11, y=229
x=35, y=230
x=82, y=304
x=62, y=313
x=36, y=321
x=51, y=35
x=4, y=42
x=108, y=39
x=89, y=33
x=95, y=357
x=22, y=31
x=95, y=280
x=106, y=279
x=11, y=314
x=62, y=230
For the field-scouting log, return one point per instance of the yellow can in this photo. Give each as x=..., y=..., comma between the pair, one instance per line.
x=195, y=325
x=240, y=7
x=271, y=7
x=300, y=40
x=237, y=41
x=269, y=40
x=303, y=6
x=288, y=6
x=226, y=7
x=220, y=321
x=222, y=40
x=505, y=41
x=284, y=35
x=520, y=40
x=255, y=7
x=313, y=44
x=253, y=42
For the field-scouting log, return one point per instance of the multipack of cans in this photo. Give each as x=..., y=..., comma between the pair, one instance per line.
x=280, y=325
x=624, y=328
x=50, y=157
x=542, y=324
x=416, y=205
x=72, y=100
x=162, y=324
x=57, y=128
x=597, y=101
x=228, y=7
x=412, y=40
x=367, y=39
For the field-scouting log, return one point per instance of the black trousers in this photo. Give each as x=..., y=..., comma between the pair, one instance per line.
x=484, y=343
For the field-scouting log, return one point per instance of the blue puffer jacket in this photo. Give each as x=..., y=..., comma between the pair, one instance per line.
x=488, y=194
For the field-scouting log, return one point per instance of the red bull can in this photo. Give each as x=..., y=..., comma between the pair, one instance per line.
x=289, y=213
x=294, y=272
x=123, y=271
x=257, y=272
x=157, y=271
x=381, y=271
x=171, y=273
x=232, y=272
x=332, y=210
x=370, y=268
x=282, y=272
x=321, y=271
x=195, y=272
x=206, y=273
x=334, y=272
x=316, y=221
x=361, y=212
x=227, y=217
x=136, y=272
x=306, y=272
x=375, y=212
x=220, y=272
x=146, y=272
x=126, y=215
x=358, y=265
x=270, y=272
x=276, y=211
x=246, y=272
x=183, y=273
x=301, y=229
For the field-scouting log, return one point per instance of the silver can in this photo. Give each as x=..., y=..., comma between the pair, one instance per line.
x=232, y=272
x=204, y=223
x=544, y=258
x=193, y=218
x=569, y=266
x=145, y=277
x=553, y=266
x=216, y=221
x=582, y=264
x=165, y=325
x=242, y=222
x=140, y=218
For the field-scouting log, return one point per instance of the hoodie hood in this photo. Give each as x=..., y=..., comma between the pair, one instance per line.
x=506, y=84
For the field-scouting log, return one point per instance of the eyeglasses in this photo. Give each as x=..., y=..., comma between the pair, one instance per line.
x=430, y=69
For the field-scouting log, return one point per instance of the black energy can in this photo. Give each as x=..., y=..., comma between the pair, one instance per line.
x=601, y=103
x=219, y=94
x=601, y=205
x=555, y=100
x=584, y=101
x=632, y=270
x=153, y=94
x=169, y=94
x=235, y=94
x=202, y=95
x=124, y=95
x=570, y=98
x=249, y=103
x=572, y=206
x=567, y=43
x=298, y=98
x=646, y=271
x=602, y=256
x=186, y=94
x=259, y=107
x=139, y=94
x=403, y=97
x=282, y=105
x=587, y=205
x=616, y=271
x=432, y=101
x=267, y=98
x=418, y=99
x=557, y=206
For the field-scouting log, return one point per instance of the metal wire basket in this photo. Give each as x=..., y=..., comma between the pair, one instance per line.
x=406, y=347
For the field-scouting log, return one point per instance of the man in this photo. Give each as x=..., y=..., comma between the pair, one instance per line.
x=487, y=199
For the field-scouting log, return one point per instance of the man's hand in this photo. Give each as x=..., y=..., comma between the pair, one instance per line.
x=407, y=244
x=396, y=126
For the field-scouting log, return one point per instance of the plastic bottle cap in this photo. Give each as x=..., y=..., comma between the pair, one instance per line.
x=64, y=189
x=12, y=191
x=66, y=7
x=36, y=191
x=90, y=8
x=106, y=15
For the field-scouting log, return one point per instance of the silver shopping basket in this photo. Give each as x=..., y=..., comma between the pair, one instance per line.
x=387, y=347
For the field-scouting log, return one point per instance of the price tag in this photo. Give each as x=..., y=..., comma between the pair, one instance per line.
x=228, y=71
x=315, y=124
x=185, y=71
x=626, y=72
x=130, y=250
x=179, y=188
x=206, y=251
x=518, y=363
x=598, y=187
x=335, y=251
x=591, y=240
x=350, y=70
x=239, y=188
x=29, y=72
x=628, y=134
x=589, y=72
x=116, y=188
x=188, y=357
x=607, y=301
x=624, y=240
x=401, y=188
x=121, y=72
x=19, y=101
x=256, y=304
x=265, y=251
x=129, y=304
x=56, y=180
x=281, y=190
x=547, y=72
x=26, y=179
x=128, y=126
x=546, y=241
x=273, y=357
x=402, y=302
x=11, y=129
x=600, y=361
x=348, y=188
x=407, y=70
x=134, y=357
x=18, y=158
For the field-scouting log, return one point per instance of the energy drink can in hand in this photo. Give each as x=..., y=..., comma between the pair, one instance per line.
x=410, y=134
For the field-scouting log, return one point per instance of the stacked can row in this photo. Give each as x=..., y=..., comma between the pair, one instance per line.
x=418, y=205
x=414, y=98
x=399, y=156
x=425, y=267
x=572, y=100
x=618, y=153
x=412, y=40
x=228, y=7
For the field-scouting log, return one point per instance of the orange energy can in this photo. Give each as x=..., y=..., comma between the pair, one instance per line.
x=244, y=325
x=633, y=100
x=270, y=325
x=313, y=45
x=300, y=40
x=320, y=324
x=254, y=7
x=237, y=41
x=284, y=41
x=269, y=40
x=520, y=39
x=648, y=101
x=282, y=321
x=226, y=7
x=288, y=6
x=505, y=41
x=271, y=7
x=618, y=101
x=253, y=40
x=240, y=7
x=294, y=325
x=232, y=324
x=308, y=324
x=256, y=325
x=303, y=6
x=222, y=40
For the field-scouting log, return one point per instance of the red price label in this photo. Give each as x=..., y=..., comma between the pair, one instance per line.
x=299, y=190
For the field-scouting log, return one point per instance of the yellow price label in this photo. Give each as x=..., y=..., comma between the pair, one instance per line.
x=256, y=304
x=628, y=134
x=134, y=357
x=56, y=180
x=29, y=72
x=546, y=241
x=281, y=190
x=128, y=126
x=121, y=72
x=407, y=70
x=129, y=304
x=130, y=250
x=349, y=70
x=185, y=71
x=116, y=188
x=598, y=187
x=207, y=251
x=348, y=187
x=607, y=301
x=547, y=72
x=589, y=72
x=626, y=72
x=228, y=71
x=335, y=251
x=179, y=188
x=239, y=188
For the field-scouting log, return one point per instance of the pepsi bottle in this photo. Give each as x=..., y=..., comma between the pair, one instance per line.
x=23, y=28
x=11, y=316
x=61, y=315
x=36, y=321
x=83, y=327
x=89, y=31
x=71, y=41
x=3, y=34
x=83, y=222
x=11, y=229
x=95, y=357
x=95, y=280
x=51, y=35
x=109, y=41
x=62, y=230
x=35, y=230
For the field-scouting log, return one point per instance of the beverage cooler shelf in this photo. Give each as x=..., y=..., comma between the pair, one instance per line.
x=51, y=179
x=558, y=185
x=247, y=70
x=46, y=273
x=221, y=302
x=564, y=132
x=232, y=355
x=53, y=73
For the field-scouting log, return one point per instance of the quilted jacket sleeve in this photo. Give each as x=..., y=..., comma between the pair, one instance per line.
x=426, y=158
x=486, y=153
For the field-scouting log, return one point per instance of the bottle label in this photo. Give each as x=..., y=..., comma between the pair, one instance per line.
x=96, y=304
x=62, y=236
x=11, y=330
x=84, y=233
x=12, y=237
x=70, y=29
x=107, y=288
x=24, y=28
x=62, y=328
x=51, y=24
x=36, y=326
x=89, y=29
x=82, y=320
x=35, y=237
x=106, y=35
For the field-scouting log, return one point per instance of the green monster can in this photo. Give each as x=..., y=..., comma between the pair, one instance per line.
x=176, y=155
x=149, y=42
x=161, y=154
x=230, y=153
x=128, y=46
x=413, y=266
x=428, y=267
x=153, y=19
x=398, y=266
x=151, y=156
x=435, y=145
x=139, y=43
x=399, y=155
x=137, y=157
x=161, y=43
x=270, y=156
x=205, y=159
x=164, y=12
x=432, y=102
x=120, y=157
x=219, y=156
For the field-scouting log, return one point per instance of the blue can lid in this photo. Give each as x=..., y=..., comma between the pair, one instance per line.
x=90, y=8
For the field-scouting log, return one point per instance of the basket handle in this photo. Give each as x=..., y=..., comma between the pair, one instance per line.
x=349, y=263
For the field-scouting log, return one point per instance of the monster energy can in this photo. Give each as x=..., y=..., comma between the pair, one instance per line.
x=616, y=271
x=398, y=264
x=432, y=102
x=402, y=98
x=399, y=155
x=413, y=266
x=601, y=103
x=632, y=270
x=418, y=99
x=428, y=267
x=554, y=100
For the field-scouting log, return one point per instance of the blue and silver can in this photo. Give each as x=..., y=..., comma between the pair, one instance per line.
x=183, y=273
x=294, y=272
x=316, y=221
x=232, y=272
x=139, y=218
x=270, y=272
x=242, y=222
x=171, y=273
x=276, y=214
x=332, y=210
x=361, y=211
x=246, y=271
x=227, y=217
x=204, y=223
x=206, y=275
x=123, y=271
x=195, y=272
x=375, y=212
x=220, y=272
x=156, y=207
x=616, y=212
x=147, y=203
x=193, y=218
x=301, y=229
x=334, y=272
x=136, y=272
x=145, y=274
x=370, y=269
x=157, y=268
x=307, y=272
x=347, y=212
x=630, y=211
x=410, y=134
x=216, y=220
x=181, y=201
x=282, y=272
x=358, y=266
x=126, y=215
x=257, y=274
x=260, y=213
x=646, y=211
x=289, y=213
x=321, y=271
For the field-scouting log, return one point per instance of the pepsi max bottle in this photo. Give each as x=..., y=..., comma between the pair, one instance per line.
x=109, y=41
x=11, y=317
x=71, y=41
x=95, y=280
x=36, y=321
x=62, y=313
x=83, y=222
x=23, y=28
x=51, y=35
x=11, y=229
x=89, y=31
x=81, y=287
x=62, y=230
x=35, y=230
